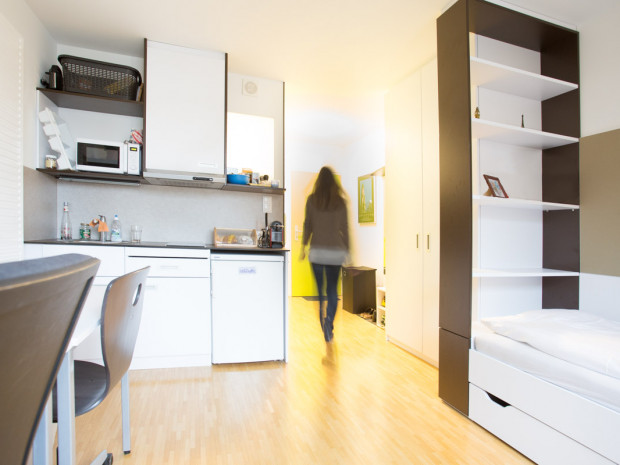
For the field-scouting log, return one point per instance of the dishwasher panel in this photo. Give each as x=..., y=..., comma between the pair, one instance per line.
x=247, y=307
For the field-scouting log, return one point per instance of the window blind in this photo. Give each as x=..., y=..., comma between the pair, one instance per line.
x=11, y=140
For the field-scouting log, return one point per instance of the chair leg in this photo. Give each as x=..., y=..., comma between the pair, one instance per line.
x=103, y=459
x=125, y=413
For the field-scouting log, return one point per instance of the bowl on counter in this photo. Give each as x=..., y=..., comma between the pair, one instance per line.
x=237, y=179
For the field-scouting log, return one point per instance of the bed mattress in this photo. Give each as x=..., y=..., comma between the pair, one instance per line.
x=593, y=385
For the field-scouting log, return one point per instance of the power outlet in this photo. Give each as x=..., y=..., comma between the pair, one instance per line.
x=267, y=204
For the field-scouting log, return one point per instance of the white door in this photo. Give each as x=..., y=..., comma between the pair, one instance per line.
x=404, y=239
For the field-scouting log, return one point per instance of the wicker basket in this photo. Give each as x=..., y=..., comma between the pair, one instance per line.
x=99, y=78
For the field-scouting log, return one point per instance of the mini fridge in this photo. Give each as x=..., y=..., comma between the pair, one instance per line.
x=247, y=313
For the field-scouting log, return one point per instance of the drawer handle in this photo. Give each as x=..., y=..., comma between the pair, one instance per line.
x=169, y=267
x=497, y=400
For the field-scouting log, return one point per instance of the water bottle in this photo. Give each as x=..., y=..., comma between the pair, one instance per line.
x=115, y=230
x=65, y=224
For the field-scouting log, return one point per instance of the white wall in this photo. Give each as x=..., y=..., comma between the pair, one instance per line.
x=599, y=50
x=39, y=55
x=364, y=157
x=313, y=142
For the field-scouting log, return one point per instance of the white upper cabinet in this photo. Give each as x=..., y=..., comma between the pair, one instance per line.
x=185, y=110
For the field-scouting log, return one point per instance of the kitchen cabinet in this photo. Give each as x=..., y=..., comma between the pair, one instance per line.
x=111, y=267
x=185, y=128
x=412, y=213
x=176, y=319
x=504, y=255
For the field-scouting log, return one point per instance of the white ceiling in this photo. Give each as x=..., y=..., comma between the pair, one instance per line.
x=338, y=56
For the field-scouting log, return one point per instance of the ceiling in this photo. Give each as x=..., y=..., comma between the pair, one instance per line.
x=336, y=56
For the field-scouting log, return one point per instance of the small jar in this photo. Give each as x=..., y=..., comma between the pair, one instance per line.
x=50, y=162
x=85, y=231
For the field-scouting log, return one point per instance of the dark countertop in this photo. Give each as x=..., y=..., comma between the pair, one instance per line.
x=175, y=245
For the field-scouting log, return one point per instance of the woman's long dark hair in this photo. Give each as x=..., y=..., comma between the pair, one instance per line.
x=327, y=193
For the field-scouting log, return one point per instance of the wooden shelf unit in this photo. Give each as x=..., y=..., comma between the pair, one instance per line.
x=556, y=87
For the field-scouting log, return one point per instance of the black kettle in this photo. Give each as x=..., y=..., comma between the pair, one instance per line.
x=54, y=78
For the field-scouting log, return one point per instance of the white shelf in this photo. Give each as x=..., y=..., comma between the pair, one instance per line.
x=514, y=135
x=514, y=81
x=381, y=310
x=520, y=273
x=483, y=200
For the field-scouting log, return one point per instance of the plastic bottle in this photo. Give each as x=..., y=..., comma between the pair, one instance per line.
x=115, y=230
x=65, y=224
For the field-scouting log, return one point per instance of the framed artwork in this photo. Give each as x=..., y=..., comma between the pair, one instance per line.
x=495, y=187
x=366, y=199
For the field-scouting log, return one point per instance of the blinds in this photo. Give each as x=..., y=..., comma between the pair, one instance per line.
x=11, y=136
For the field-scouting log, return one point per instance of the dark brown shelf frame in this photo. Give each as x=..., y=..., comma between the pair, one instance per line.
x=559, y=55
x=86, y=102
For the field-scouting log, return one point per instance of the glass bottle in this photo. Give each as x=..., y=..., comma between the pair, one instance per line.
x=65, y=224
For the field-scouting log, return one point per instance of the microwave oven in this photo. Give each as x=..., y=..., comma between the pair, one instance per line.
x=108, y=157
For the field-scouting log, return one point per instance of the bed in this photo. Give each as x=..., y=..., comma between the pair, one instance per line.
x=547, y=382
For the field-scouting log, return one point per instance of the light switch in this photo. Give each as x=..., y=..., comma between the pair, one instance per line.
x=266, y=204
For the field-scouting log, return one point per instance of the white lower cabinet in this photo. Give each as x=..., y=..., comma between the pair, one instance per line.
x=176, y=324
x=111, y=266
x=175, y=330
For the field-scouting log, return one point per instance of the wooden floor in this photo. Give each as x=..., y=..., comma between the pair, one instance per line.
x=359, y=400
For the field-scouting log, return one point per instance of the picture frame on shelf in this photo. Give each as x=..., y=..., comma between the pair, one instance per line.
x=495, y=187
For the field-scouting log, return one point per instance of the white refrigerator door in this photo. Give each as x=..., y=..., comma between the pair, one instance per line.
x=248, y=309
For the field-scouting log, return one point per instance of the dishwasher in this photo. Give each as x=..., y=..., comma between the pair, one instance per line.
x=247, y=296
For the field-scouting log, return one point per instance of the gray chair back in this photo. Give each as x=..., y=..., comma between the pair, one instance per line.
x=120, y=318
x=40, y=303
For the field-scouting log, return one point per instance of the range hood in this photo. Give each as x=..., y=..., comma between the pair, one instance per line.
x=184, y=179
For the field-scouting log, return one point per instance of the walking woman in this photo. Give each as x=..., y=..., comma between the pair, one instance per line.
x=326, y=229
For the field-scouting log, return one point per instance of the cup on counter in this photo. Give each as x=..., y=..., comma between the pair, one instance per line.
x=136, y=233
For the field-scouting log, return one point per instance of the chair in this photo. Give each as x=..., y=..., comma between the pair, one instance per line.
x=40, y=303
x=120, y=320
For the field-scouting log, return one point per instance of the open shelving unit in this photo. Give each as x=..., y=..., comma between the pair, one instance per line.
x=381, y=307
x=521, y=248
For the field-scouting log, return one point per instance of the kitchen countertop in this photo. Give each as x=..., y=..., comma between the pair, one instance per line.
x=176, y=245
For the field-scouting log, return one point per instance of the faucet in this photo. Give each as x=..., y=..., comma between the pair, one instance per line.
x=102, y=226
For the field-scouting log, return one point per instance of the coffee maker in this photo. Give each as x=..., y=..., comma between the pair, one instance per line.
x=275, y=234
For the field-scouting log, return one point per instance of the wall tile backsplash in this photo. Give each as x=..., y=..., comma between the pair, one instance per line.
x=166, y=214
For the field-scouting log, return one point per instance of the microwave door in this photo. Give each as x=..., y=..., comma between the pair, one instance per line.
x=101, y=157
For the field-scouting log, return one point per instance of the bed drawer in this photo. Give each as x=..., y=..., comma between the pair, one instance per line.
x=529, y=436
x=567, y=413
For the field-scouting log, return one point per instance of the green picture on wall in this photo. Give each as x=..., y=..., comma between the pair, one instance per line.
x=365, y=199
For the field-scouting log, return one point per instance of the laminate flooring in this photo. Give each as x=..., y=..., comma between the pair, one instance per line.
x=359, y=400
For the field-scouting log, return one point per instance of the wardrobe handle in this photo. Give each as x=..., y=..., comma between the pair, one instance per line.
x=417, y=241
x=428, y=242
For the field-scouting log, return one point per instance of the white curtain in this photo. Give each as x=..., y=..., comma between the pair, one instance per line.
x=11, y=148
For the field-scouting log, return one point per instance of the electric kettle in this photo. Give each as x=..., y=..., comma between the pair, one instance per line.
x=54, y=78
